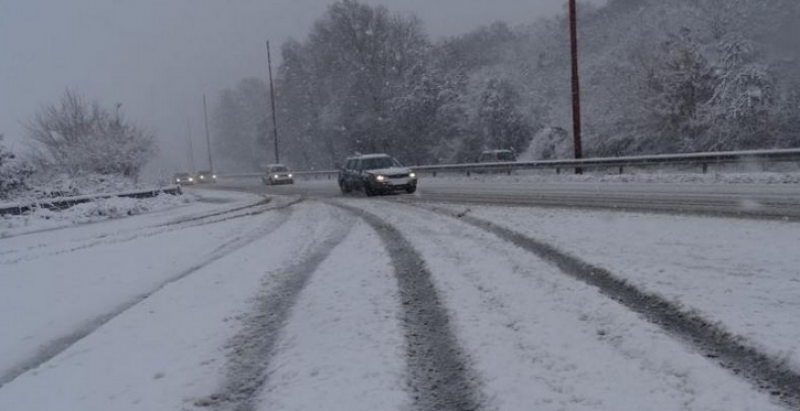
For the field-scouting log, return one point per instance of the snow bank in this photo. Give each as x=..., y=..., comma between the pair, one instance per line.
x=101, y=209
x=62, y=185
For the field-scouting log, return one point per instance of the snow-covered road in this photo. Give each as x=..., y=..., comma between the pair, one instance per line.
x=247, y=303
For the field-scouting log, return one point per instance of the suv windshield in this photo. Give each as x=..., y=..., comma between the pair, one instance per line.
x=379, y=163
x=505, y=156
x=279, y=169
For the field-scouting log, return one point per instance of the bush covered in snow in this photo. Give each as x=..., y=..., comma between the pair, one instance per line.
x=14, y=173
x=79, y=137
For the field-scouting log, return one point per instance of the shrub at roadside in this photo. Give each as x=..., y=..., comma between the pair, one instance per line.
x=14, y=173
x=79, y=137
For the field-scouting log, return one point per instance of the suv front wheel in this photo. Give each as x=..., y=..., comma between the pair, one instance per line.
x=345, y=187
x=369, y=191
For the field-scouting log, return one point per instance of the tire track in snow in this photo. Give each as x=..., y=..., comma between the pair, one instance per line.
x=254, y=347
x=713, y=340
x=55, y=347
x=440, y=377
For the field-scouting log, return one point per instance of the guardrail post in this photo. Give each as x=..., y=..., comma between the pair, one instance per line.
x=434, y=174
x=705, y=168
x=468, y=173
x=558, y=170
x=621, y=170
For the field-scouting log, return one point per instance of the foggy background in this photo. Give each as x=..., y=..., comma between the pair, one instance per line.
x=158, y=57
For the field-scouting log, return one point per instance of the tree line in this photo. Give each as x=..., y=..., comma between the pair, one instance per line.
x=658, y=77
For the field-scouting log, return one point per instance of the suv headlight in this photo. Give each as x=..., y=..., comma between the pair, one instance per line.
x=412, y=175
x=380, y=178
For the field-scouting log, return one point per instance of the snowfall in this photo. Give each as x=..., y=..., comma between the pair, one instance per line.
x=167, y=307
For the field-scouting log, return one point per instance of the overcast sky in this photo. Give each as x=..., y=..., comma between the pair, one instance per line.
x=158, y=57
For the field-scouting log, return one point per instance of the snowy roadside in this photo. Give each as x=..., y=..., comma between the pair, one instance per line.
x=543, y=340
x=55, y=284
x=741, y=273
x=112, y=211
x=97, y=210
x=341, y=347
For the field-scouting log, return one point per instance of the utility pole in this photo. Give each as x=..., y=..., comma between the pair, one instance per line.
x=576, y=84
x=272, y=100
x=191, y=146
x=208, y=136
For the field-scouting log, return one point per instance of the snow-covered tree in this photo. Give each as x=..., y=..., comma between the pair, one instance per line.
x=657, y=77
x=743, y=100
x=244, y=138
x=501, y=123
x=76, y=136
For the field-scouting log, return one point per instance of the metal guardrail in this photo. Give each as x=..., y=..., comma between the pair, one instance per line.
x=67, y=202
x=703, y=160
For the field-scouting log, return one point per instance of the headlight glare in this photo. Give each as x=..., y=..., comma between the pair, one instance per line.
x=380, y=178
x=413, y=175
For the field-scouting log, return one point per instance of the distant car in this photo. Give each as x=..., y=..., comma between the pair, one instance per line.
x=497, y=156
x=277, y=174
x=206, y=177
x=376, y=174
x=184, y=179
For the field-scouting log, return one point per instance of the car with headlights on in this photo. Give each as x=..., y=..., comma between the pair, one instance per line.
x=185, y=179
x=376, y=174
x=494, y=157
x=206, y=177
x=277, y=174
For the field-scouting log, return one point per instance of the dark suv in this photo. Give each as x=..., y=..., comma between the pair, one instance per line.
x=376, y=174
